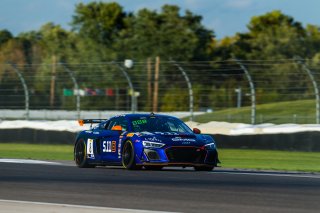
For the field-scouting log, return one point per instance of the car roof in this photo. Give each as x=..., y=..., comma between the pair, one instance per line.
x=133, y=115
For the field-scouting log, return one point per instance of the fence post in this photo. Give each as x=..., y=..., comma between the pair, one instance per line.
x=25, y=88
x=315, y=87
x=253, y=93
x=76, y=87
x=184, y=74
x=130, y=86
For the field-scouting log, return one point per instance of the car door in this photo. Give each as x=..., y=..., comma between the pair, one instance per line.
x=110, y=144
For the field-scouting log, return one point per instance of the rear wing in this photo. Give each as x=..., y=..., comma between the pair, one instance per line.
x=91, y=121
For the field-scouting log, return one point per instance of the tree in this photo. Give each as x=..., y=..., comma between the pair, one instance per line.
x=166, y=34
x=5, y=36
x=98, y=21
x=312, y=41
x=272, y=36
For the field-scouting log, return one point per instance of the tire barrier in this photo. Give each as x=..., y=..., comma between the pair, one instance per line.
x=26, y=135
x=300, y=141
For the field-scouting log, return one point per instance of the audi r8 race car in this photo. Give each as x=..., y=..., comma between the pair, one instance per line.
x=151, y=141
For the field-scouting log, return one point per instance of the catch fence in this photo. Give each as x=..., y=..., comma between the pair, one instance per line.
x=244, y=91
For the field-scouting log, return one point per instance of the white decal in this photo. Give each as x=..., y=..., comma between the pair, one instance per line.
x=119, y=148
x=154, y=139
x=109, y=146
x=183, y=139
x=90, y=146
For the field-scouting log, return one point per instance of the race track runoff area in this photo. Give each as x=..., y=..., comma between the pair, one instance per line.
x=113, y=189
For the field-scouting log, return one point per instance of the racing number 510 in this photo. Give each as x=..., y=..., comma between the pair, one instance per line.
x=109, y=146
x=106, y=146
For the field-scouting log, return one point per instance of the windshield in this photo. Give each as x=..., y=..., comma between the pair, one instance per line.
x=159, y=124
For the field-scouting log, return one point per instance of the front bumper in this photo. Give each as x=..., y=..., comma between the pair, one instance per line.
x=180, y=156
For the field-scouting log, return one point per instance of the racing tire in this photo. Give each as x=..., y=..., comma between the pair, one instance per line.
x=128, y=157
x=80, y=156
x=156, y=168
x=203, y=168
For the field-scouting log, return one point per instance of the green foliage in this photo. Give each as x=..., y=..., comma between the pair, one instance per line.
x=175, y=99
x=273, y=35
x=166, y=34
x=98, y=21
x=5, y=36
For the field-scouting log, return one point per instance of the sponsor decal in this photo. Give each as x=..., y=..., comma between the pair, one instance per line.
x=183, y=139
x=96, y=133
x=130, y=134
x=90, y=148
x=113, y=146
x=139, y=122
x=153, y=139
x=119, y=149
x=109, y=146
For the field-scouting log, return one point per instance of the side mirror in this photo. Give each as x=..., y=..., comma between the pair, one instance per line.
x=196, y=131
x=117, y=128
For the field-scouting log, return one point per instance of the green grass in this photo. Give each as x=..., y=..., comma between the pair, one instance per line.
x=230, y=158
x=36, y=151
x=270, y=160
x=302, y=111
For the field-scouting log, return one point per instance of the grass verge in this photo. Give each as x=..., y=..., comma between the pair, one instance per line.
x=270, y=160
x=36, y=151
x=230, y=158
x=301, y=112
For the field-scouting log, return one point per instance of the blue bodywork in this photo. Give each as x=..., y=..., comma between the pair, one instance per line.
x=173, y=144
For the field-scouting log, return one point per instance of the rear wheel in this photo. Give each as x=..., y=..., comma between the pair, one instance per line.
x=203, y=168
x=80, y=157
x=128, y=156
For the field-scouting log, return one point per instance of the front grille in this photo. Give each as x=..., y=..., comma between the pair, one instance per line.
x=185, y=155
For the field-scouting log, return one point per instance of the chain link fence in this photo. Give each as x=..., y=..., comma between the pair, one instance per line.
x=163, y=86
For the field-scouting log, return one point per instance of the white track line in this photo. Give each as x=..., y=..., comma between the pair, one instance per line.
x=26, y=206
x=269, y=174
x=26, y=161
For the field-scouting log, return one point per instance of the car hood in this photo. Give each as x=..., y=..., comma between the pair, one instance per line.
x=176, y=139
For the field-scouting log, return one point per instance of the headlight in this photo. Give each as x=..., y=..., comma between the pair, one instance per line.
x=149, y=144
x=210, y=146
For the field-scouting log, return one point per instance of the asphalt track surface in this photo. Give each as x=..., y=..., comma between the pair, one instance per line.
x=174, y=190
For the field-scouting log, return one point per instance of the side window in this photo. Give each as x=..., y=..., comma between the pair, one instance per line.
x=121, y=121
x=104, y=125
x=174, y=127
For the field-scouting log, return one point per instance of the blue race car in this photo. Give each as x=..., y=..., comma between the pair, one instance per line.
x=151, y=141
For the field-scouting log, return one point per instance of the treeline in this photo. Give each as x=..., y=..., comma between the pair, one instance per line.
x=104, y=32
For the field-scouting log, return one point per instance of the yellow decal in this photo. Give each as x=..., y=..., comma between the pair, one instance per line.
x=114, y=146
x=130, y=134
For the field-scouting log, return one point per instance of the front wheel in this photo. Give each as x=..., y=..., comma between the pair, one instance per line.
x=80, y=157
x=203, y=168
x=128, y=156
